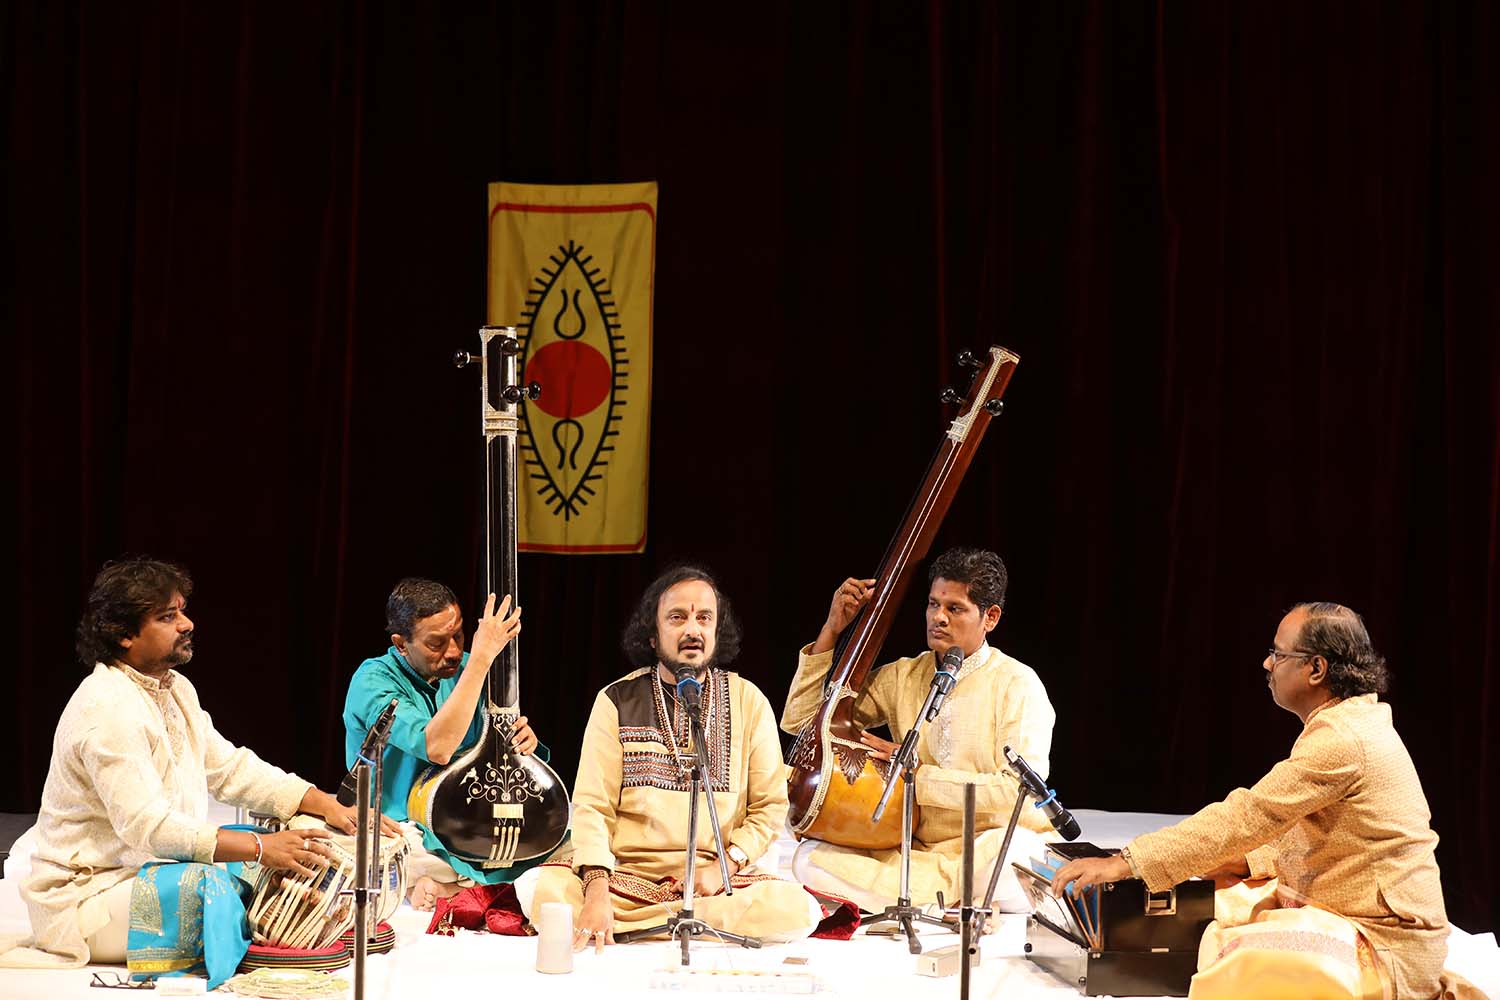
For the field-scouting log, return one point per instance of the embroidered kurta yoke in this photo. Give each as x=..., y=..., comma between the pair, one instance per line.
x=630, y=805
x=997, y=701
x=134, y=761
x=1343, y=824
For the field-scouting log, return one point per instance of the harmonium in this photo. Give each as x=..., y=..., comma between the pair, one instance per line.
x=1117, y=939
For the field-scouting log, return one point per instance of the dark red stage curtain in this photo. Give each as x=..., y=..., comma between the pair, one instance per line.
x=1245, y=251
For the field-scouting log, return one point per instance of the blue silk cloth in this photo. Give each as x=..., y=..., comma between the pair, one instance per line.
x=188, y=918
x=374, y=684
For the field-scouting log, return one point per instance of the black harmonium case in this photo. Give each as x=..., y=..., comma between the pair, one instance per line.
x=1147, y=941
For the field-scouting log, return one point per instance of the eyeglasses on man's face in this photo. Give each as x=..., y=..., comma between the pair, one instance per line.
x=1277, y=655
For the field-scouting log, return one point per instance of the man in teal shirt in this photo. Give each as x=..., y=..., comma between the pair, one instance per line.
x=440, y=689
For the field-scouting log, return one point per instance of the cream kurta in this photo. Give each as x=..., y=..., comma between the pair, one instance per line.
x=630, y=807
x=1343, y=824
x=133, y=764
x=998, y=701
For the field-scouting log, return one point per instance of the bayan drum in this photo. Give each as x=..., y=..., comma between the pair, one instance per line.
x=290, y=910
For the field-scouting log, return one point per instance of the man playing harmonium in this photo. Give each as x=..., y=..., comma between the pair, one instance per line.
x=440, y=688
x=996, y=701
x=134, y=760
x=631, y=799
x=1341, y=827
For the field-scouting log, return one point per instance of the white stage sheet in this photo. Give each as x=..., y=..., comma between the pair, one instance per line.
x=469, y=964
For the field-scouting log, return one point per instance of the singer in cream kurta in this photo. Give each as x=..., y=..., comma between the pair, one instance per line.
x=630, y=808
x=997, y=701
x=134, y=761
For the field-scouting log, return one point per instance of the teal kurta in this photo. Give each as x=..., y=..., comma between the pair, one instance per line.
x=374, y=684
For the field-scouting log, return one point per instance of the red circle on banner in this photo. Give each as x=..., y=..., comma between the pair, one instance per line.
x=574, y=377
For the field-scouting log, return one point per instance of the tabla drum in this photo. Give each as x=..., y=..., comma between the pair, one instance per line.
x=291, y=910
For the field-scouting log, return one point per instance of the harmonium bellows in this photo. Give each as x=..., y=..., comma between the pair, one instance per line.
x=1118, y=939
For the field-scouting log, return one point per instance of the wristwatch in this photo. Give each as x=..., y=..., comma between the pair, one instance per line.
x=740, y=858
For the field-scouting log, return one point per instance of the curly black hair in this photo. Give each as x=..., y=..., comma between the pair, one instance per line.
x=124, y=593
x=640, y=628
x=413, y=599
x=981, y=570
x=1337, y=634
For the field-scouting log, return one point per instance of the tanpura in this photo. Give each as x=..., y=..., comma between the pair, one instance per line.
x=490, y=805
x=835, y=782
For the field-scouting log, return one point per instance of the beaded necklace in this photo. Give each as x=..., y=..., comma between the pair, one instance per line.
x=675, y=729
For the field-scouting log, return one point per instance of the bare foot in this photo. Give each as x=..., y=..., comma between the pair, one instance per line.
x=427, y=891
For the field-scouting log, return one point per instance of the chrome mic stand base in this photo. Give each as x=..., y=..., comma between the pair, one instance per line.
x=903, y=913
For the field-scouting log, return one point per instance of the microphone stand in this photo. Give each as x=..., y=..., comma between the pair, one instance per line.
x=683, y=923
x=967, y=910
x=983, y=912
x=904, y=765
x=366, y=840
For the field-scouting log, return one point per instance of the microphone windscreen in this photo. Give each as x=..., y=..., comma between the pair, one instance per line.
x=1069, y=827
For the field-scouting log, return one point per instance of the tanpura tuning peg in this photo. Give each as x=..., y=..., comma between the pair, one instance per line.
x=994, y=407
x=966, y=359
x=462, y=358
x=950, y=395
x=516, y=393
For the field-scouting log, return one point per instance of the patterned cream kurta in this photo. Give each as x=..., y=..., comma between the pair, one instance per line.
x=997, y=701
x=133, y=763
x=1342, y=824
x=630, y=806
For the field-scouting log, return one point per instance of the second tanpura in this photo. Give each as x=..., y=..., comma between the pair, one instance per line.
x=834, y=781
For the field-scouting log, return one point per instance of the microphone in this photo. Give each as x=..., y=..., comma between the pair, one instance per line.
x=374, y=741
x=943, y=679
x=689, y=690
x=1046, y=799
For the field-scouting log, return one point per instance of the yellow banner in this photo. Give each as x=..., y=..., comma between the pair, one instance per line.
x=573, y=269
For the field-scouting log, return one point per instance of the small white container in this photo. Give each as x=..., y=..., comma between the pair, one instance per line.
x=554, y=938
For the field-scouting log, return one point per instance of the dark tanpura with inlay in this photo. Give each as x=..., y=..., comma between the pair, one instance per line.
x=490, y=805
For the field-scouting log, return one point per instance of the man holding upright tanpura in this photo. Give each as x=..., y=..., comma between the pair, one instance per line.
x=1341, y=827
x=631, y=799
x=440, y=688
x=996, y=701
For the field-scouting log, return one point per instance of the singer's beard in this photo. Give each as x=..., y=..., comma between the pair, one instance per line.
x=673, y=664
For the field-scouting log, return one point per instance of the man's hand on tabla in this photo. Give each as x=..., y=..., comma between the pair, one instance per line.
x=344, y=819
